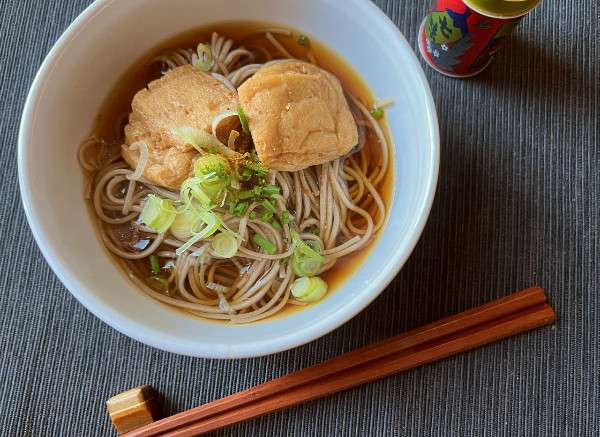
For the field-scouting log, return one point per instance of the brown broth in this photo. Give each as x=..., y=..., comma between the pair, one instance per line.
x=140, y=74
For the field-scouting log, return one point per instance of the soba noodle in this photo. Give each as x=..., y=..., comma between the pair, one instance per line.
x=336, y=203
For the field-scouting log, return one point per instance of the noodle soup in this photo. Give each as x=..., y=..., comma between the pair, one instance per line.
x=205, y=225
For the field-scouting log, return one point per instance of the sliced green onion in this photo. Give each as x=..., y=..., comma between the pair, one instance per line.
x=243, y=120
x=190, y=189
x=205, y=58
x=249, y=194
x=215, y=190
x=212, y=164
x=161, y=283
x=303, y=40
x=270, y=189
x=158, y=214
x=211, y=225
x=246, y=174
x=264, y=244
x=198, y=138
x=267, y=216
x=213, y=171
x=240, y=208
x=194, y=220
x=252, y=215
x=315, y=245
x=186, y=224
x=268, y=206
x=302, y=248
x=377, y=113
x=232, y=206
x=309, y=289
x=256, y=168
x=306, y=258
x=203, y=141
x=276, y=225
x=225, y=245
x=234, y=183
x=285, y=217
x=155, y=265
x=305, y=266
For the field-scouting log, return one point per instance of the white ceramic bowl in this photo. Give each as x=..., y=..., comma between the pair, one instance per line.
x=79, y=72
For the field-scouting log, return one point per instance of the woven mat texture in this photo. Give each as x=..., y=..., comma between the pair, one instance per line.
x=517, y=204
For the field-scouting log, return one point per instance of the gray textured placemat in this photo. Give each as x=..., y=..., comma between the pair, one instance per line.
x=517, y=204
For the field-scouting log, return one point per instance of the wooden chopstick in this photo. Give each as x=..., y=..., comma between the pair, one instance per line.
x=404, y=360
x=317, y=379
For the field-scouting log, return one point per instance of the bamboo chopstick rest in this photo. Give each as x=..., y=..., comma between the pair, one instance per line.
x=133, y=408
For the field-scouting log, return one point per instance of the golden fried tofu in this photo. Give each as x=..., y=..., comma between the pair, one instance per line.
x=184, y=96
x=298, y=115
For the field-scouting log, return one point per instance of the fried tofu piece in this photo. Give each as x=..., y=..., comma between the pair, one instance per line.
x=298, y=115
x=184, y=96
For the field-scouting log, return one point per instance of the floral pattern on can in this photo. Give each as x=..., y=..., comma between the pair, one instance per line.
x=459, y=41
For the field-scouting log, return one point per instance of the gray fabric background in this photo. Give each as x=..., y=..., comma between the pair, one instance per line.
x=517, y=204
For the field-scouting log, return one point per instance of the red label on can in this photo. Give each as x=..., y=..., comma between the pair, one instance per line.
x=459, y=41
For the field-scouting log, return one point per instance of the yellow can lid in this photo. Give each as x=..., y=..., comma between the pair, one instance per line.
x=502, y=8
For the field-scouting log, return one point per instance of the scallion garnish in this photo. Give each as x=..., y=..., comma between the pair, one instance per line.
x=270, y=189
x=225, y=245
x=197, y=138
x=264, y=244
x=246, y=174
x=252, y=215
x=248, y=194
x=303, y=40
x=276, y=224
x=267, y=216
x=205, y=59
x=186, y=224
x=164, y=284
x=377, y=113
x=266, y=204
x=240, y=208
x=308, y=289
x=158, y=214
x=256, y=168
x=285, y=217
x=243, y=120
x=155, y=265
x=190, y=189
x=210, y=224
x=234, y=183
x=203, y=141
x=306, y=258
x=213, y=173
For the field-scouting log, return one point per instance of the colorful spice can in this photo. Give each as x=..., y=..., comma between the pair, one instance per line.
x=459, y=38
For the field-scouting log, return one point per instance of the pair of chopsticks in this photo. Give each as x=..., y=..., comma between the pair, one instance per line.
x=499, y=319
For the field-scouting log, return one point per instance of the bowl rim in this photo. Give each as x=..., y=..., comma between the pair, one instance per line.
x=136, y=330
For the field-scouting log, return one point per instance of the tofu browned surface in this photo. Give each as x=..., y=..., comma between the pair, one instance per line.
x=298, y=115
x=184, y=96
